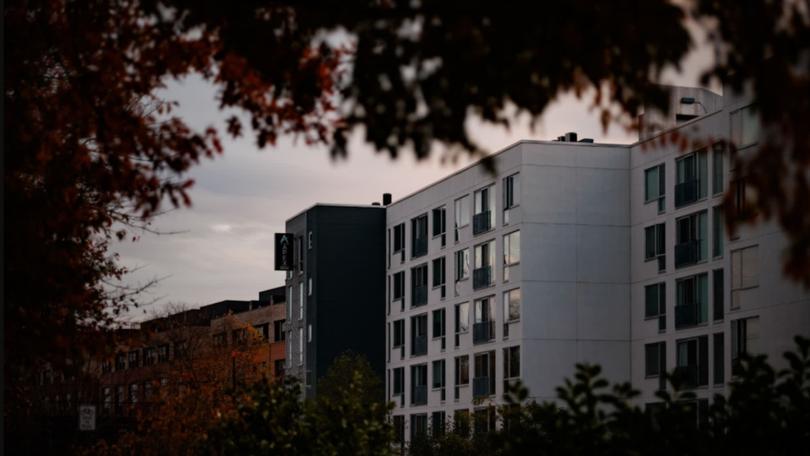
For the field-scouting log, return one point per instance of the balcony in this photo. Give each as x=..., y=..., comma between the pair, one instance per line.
x=687, y=253
x=481, y=387
x=420, y=247
x=419, y=295
x=482, y=222
x=419, y=345
x=419, y=395
x=483, y=332
x=482, y=277
x=686, y=315
x=686, y=192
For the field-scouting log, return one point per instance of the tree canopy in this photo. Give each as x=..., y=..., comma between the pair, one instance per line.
x=90, y=149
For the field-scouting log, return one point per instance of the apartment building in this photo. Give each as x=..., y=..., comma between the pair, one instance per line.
x=580, y=252
x=335, y=282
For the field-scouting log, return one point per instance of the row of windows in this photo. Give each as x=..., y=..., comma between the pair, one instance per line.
x=691, y=239
x=692, y=292
x=483, y=379
x=482, y=219
x=482, y=272
x=692, y=355
x=691, y=171
x=240, y=336
x=483, y=419
x=484, y=319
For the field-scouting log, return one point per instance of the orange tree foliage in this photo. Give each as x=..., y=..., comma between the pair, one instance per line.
x=203, y=387
x=88, y=146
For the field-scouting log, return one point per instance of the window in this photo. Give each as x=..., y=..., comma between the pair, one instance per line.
x=719, y=359
x=399, y=381
x=438, y=273
x=439, y=221
x=149, y=356
x=399, y=285
x=309, y=333
x=418, y=425
x=399, y=237
x=309, y=286
x=239, y=336
x=438, y=373
x=511, y=362
x=718, y=175
x=300, y=241
x=511, y=305
x=419, y=236
x=690, y=178
x=438, y=323
x=654, y=186
x=655, y=244
x=655, y=304
x=511, y=252
x=419, y=384
x=462, y=370
x=461, y=422
x=744, y=340
x=717, y=231
x=133, y=393
x=484, y=376
x=462, y=317
x=278, y=331
x=691, y=244
x=108, y=398
x=484, y=264
x=744, y=127
x=419, y=335
x=133, y=360
x=654, y=359
x=437, y=420
x=309, y=240
x=419, y=285
x=692, y=304
x=717, y=293
x=163, y=353
x=744, y=272
x=462, y=213
x=399, y=333
x=511, y=195
x=180, y=349
x=300, y=346
x=399, y=428
x=693, y=361
x=484, y=216
x=485, y=419
x=301, y=301
x=289, y=301
x=484, y=314
x=462, y=264
x=120, y=361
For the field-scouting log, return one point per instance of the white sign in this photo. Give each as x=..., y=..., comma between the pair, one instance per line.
x=87, y=417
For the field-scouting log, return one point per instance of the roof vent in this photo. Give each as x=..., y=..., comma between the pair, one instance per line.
x=586, y=140
x=386, y=199
x=571, y=136
x=375, y=203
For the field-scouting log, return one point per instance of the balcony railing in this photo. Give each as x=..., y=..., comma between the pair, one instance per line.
x=687, y=375
x=687, y=253
x=481, y=387
x=420, y=295
x=419, y=346
x=482, y=222
x=686, y=315
x=482, y=277
x=483, y=332
x=420, y=246
x=686, y=192
x=419, y=395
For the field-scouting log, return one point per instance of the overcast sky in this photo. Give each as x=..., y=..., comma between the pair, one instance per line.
x=225, y=246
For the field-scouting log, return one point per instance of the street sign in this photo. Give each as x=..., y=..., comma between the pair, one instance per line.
x=87, y=417
x=284, y=252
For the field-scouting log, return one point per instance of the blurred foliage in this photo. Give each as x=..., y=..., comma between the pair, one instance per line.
x=765, y=412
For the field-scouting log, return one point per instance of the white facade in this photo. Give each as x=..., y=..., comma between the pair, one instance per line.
x=583, y=272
